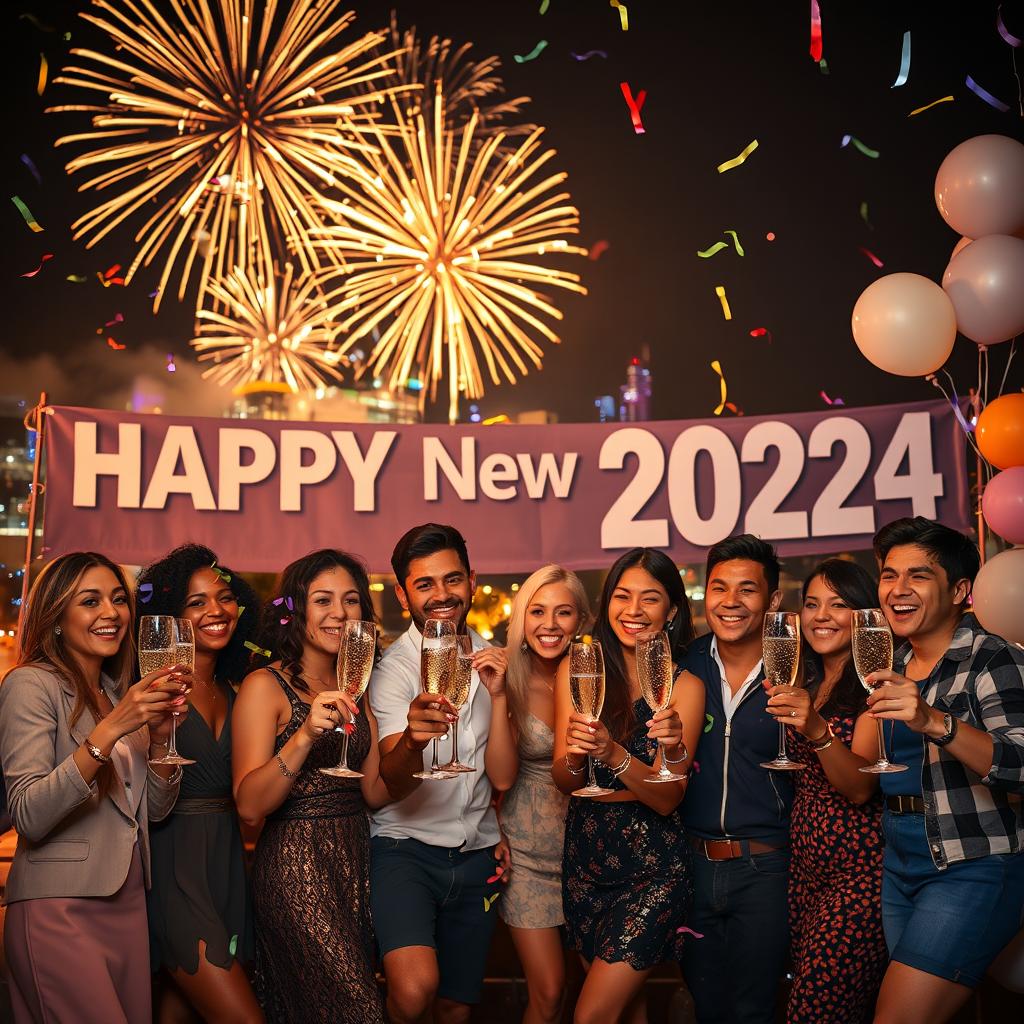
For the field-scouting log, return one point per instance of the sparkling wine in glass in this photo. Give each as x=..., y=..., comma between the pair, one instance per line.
x=437, y=662
x=164, y=642
x=781, y=644
x=586, y=688
x=654, y=670
x=872, y=652
x=355, y=662
x=457, y=693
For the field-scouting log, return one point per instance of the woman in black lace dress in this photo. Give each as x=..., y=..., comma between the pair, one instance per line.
x=625, y=874
x=314, y=942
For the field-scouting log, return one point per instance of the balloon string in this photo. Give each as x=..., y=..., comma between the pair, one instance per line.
x=954, y=402
x=1013, y=349
x=1020, y=92
x=983, y=352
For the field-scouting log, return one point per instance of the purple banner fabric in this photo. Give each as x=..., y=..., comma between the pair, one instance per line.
x=262, y=493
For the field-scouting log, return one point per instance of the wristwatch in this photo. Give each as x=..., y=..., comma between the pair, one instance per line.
x=951, y=725
x=96, y=754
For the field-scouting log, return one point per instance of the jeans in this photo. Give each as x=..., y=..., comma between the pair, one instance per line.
x=740, y=907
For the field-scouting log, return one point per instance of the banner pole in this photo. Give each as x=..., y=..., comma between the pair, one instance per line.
x=40, y=429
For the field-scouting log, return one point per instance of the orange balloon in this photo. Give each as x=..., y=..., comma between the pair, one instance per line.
x=1000, y=431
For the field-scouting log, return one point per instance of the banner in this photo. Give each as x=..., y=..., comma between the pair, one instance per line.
x=262, y=492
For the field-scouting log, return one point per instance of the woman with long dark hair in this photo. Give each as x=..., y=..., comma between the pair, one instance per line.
x=626, y=874
x=200, y=925
x=311, y=878
x=835, y=875
x=75, y=738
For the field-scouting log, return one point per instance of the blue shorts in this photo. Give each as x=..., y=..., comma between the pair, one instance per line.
x=423, y=895
x=950, y=923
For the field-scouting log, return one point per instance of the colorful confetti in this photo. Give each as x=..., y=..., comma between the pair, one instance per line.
x=816, y=43
x=871, y=256
x=488, y=903
x=588, y=54
x=928, y=106
x=171, y=368
x=233, y=945
x=720, y=292
x=255, y=649
x=26, y=214
x=115, y=345
x=901, y=78
x=43, y=68
x=77, y=278
x=623, y=16
x=858, y=145
x=709, y=722
x=33, y=170
x=705, y=254
x=723, y=404
x=498, y=872
x=544, y=6
x=864, y=215
x=226, y=578
x=831, y=401
x=991, y=100
x=287, y=601
x=599, y=247
x=770, y=236
x=533, y=54
x=635, y=105
x=823, y=66
x=761, y=332
x=737, y=160
x=689, y=931
x=735, y=241
x=42, y=263
x=146, y=593
x=1003, y=31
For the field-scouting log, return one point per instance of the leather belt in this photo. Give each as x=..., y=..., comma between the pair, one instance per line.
x=905, y=804
x=203, y=805
x=730, y=849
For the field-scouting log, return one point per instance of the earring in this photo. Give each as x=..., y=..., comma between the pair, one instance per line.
x=524, y=647
x=668, y=625
x=56, y=630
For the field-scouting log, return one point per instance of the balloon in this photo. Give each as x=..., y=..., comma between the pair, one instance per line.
x=985, y=282
x=1003, y=504
x=905, y=324
x=999, y=595
x=962, y=244
x=1000, y=431
x=979, y=189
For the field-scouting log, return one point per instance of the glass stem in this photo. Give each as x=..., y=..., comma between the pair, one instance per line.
x=455, y=742
x=591, y=778
x=343, y=763
x=663, y=770
x=782, y=743
x=172, y=747
x=434, y=767
x=882, y=757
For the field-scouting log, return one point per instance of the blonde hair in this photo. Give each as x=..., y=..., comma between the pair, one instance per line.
x=520, y=667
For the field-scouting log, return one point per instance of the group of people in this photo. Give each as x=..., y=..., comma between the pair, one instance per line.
x=886, y=895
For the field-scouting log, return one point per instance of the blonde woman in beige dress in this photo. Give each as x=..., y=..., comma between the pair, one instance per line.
x=549, y=610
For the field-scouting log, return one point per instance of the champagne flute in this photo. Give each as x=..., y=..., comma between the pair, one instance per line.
x=654, y=669
x=456, y=690
x=586, y=687
x=164, y=642
x=355, y=662
x=781, y=640
x=872, y=652
x=437, y=657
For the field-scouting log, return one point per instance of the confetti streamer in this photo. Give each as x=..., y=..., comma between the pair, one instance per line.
x=498, y=872
x=77, y=278
x=533, y=54
x=901, y=78
x=737, y=160
x=1003, y=31
x=735, y=241
x=831, y=401
x=26, y=214
x=171, y=368
x=717, y=367
x=255, y=649
x=488, y=903
x=43, y=68
x=153, y=294
x=816, y=43
x=623, y=15
x=282, y=600
x=42, y=263
x=635, y=105
x=871, y=256
x=118, y=319
x=761, y=332
x=689, y=931
x=823, y=66
x=864, y=215
x=991, y=100
x=720, y=292
x=233, y=945
x=226, y=577
x=968, y=428
x=544, y=6
x=705, y=254
x=146, y=593
x=588, y=54
x=928, y=106
x=709, y=722
x=866, y=150
x=116, y=346
x=597, y=249
x=33, y=170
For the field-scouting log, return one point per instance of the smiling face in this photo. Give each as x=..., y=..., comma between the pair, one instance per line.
x=437, y=587
x=96, y=620
x=332, y=598
x=915, y=594
x=825, y=619
x=736, y=598
x=638, y=604
x=212, y=608
x=552, y=620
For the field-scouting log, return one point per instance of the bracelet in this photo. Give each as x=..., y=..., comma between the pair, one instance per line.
x=575, y=771
x=619, y=769
x=96, y=754
x=678, y=760
x=285, y=770
x=824, y=741
x=827, y=732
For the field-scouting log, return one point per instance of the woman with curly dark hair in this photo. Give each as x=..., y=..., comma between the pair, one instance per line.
x=200, y=922
x=311, y=875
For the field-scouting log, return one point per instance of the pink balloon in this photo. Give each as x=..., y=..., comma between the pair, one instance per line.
x=979, y=189
x=999, y=595
x=962, y=244
x=1003, y=504
x=985, y=282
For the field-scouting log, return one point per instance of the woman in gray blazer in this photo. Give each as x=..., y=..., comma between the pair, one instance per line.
x=74, y=744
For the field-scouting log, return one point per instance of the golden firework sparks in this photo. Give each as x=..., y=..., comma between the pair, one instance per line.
x=436, y=232
x=267, y=328
x=212, y=122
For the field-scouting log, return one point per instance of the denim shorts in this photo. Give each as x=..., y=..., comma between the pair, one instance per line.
x=422, y=895
x=950, y=923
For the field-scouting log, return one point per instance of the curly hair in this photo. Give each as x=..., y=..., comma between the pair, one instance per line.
x=169, y=577
x=282, y=630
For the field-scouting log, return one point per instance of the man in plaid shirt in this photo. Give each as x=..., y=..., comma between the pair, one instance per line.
x=953, y=883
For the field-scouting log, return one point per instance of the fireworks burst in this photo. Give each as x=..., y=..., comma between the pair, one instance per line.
x=213, y=122
x=434, y=233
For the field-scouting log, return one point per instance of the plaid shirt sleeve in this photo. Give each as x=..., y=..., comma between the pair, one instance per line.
x=999, y=690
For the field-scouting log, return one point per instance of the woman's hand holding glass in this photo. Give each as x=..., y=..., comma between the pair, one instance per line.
x=324, y=713
x=587, y=736
x=667, y=728
x=149, y=702
x=792, y=706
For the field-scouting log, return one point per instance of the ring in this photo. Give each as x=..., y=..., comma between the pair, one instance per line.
x=792, y=714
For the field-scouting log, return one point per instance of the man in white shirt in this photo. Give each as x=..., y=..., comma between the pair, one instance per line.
x=433, y=871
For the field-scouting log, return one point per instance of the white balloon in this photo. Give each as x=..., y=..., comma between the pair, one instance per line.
x=999, y=595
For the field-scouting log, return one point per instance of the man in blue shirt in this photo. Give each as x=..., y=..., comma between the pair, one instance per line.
x=736, y=812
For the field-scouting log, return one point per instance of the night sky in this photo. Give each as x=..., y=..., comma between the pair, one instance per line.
x=717, y=76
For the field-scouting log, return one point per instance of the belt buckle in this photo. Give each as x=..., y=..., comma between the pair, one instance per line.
x=717, y=844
